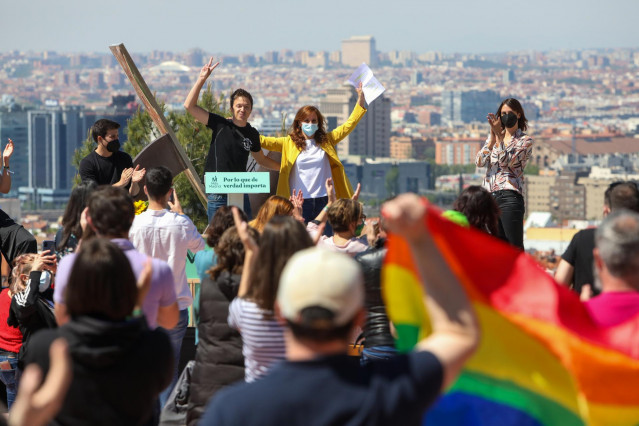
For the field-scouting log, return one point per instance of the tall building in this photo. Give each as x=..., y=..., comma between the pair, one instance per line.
x=537, y=192
x=194, y=58
x=13, y=124
x=371, y=137
x=336, y=106
x=467, y=106
x=271, y=57
x=358, y=49
x=53, y=136
x=567, y=198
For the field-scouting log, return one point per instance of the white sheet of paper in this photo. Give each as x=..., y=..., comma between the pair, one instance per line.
x=371, y=87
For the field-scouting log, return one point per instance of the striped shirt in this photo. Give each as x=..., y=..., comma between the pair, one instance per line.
x=262, y=337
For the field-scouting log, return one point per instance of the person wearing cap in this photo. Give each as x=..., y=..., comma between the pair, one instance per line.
x=321, y=300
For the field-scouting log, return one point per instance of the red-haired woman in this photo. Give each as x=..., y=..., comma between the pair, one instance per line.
x=309, y=157
x=505, y=155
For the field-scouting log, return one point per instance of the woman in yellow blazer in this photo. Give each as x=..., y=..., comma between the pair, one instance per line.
x=309, y=157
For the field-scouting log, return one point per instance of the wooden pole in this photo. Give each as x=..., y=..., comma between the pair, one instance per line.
x=151, y=105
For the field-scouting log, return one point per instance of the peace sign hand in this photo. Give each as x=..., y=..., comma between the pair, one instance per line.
x=207, y=69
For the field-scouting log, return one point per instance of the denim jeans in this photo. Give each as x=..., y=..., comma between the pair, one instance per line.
x=8, y=377
x=214, y=202
x=176, y=335
x=312, y=207
x=511, y=220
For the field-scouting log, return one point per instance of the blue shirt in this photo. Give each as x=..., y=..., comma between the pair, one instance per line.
x=333, y=390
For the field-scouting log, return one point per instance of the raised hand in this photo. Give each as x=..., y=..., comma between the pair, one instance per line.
x=242, y=230
x=405, y=216
x=207, y=69
x=330, y=190
x=44, y=260
x=298, y=201
x=495, y=126
x=137, y=174
x=357, y=191
x=175, y=205
x=8, y=151
x=361, y=100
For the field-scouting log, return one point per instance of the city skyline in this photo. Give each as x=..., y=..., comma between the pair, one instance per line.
x=456, y=26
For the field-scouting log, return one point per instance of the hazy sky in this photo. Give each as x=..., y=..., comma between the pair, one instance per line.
x=256, y=26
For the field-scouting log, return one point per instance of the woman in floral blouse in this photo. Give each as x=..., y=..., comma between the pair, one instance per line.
x=505, y=155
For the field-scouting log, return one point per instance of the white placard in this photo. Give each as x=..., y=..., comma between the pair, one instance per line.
x=371, y=87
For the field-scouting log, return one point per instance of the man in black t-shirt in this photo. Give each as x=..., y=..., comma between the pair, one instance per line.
x=578, y=260
x=321, y=300
x=107, y=165
x=232, y=139
x=576, y=264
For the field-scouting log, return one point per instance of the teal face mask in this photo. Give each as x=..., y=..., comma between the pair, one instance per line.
x=358, y=230
x=309, y=129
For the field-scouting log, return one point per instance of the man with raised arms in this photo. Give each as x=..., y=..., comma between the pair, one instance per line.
x=232, y=139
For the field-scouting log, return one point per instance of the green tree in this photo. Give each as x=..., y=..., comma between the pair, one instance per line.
x=85, y=149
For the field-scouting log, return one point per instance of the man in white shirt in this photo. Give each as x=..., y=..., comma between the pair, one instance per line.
x=168, y=235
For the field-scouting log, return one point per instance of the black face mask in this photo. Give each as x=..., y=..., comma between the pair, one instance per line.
x=509, y=120
x=113, y=146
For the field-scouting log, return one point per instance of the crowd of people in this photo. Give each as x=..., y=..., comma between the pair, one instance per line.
x=283, y=299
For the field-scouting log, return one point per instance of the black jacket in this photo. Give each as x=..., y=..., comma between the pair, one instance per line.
x=377, y=328
x=119, y=369
x=31, y=311
x=218, y=359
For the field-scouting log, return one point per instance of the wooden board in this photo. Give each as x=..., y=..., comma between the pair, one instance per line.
x=151, y=105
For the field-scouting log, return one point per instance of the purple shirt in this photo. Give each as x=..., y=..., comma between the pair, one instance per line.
x=161, y=293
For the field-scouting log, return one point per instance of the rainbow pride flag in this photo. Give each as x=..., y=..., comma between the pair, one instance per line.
x=542, y=360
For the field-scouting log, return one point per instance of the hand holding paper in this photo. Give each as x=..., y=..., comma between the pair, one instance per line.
x=371, y=87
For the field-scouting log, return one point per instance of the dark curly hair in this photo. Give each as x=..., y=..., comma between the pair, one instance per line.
x=230, y=252
x=101, y=127
x=221, y=221
x=480, y=208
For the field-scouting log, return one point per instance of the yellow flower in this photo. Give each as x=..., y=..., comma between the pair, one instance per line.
x=140, y=206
